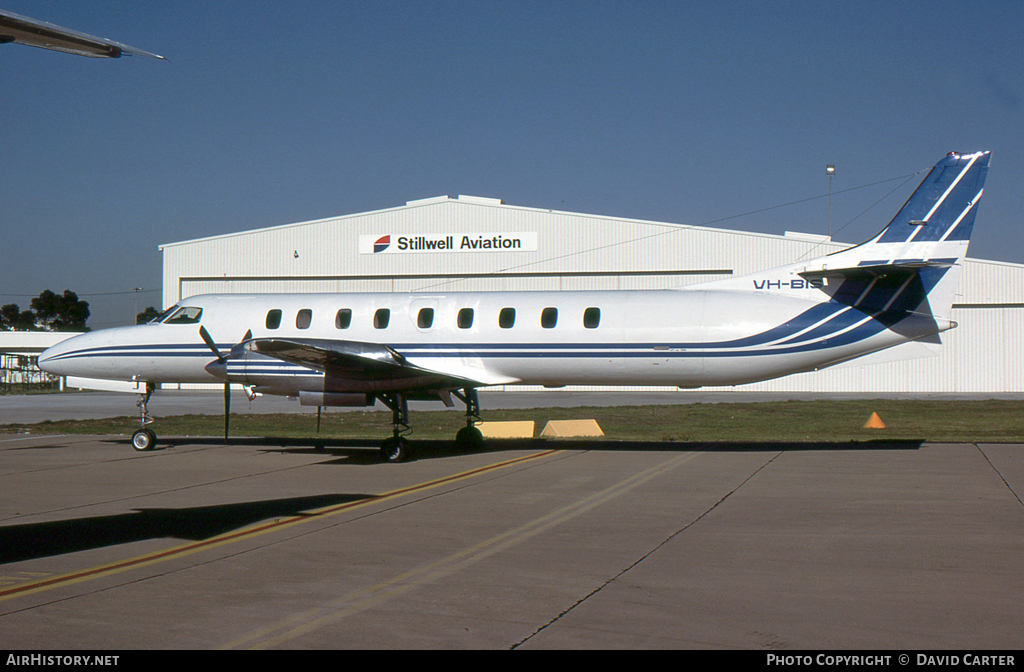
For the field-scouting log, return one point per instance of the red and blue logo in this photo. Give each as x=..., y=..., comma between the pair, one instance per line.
x=381, y=244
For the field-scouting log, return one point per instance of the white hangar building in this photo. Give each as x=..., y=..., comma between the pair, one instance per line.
x=470, y=243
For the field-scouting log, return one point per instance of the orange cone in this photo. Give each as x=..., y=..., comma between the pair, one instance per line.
x=874, y=422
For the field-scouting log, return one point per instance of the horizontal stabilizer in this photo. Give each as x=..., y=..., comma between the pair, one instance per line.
x=877, y=268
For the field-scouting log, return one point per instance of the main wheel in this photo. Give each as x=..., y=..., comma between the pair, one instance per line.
x=143, y=439
x=395, y=449
x=469, y=438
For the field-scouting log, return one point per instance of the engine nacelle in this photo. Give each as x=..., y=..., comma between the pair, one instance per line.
x=336, y=399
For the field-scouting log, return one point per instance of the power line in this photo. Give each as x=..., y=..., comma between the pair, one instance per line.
x=675, y=228
x=862, y=212
x=32, y=296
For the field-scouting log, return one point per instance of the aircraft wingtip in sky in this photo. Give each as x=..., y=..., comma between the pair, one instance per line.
x=34, y=33
x=355, y=349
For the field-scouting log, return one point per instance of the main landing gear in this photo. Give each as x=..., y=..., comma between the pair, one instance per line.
x=397, y=448
x=144, y=439
x=469, y=438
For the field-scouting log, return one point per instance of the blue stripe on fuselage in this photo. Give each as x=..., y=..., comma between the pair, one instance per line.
x=833, y=320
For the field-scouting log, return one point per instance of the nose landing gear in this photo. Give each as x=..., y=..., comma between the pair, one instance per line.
x=144, y=439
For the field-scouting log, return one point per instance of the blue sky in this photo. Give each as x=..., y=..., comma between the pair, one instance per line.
x=692, y=112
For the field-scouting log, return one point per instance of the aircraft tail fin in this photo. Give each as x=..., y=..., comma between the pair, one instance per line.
x=913, y=265
x=941, y=210
x=911, y=268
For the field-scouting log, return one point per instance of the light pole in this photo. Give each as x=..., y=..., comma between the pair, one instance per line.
x=830, y=170
x=135, y=319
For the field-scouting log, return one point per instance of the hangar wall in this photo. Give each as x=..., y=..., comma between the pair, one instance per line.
x=445, y=250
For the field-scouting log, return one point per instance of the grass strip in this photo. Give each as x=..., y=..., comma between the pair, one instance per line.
x=991, y=421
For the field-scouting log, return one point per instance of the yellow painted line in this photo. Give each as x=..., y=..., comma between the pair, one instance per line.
x=313, y=619
x=22, y=577
x=183, y=550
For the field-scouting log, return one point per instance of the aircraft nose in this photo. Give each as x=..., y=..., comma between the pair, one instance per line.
x=44, y=357
x=82, y=355
x=50, y=360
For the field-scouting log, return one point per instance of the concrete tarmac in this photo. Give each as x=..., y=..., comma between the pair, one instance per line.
x=532, y=544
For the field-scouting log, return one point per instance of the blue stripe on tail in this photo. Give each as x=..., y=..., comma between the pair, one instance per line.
x=943, y=204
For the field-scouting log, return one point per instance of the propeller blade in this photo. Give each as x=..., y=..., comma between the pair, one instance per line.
x=227, y=386
x=227, y=409
x=210, y=343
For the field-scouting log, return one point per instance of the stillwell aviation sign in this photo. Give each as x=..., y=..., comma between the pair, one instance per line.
x=390, y=243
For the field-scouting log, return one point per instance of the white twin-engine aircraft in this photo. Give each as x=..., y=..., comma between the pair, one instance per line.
x=354, y=349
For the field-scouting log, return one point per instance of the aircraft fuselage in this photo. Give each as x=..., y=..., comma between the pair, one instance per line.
x=686, y=338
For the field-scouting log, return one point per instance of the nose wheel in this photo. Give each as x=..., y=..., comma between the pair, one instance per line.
x=144, y=439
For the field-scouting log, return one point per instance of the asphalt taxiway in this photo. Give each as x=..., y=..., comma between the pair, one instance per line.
x=535, y=544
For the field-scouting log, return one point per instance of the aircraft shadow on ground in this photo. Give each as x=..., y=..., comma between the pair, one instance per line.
x=40, y=540
x=366, y=451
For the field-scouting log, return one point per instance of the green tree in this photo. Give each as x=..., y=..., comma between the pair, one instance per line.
x=60, y=312
x=145, y=316
x=13, y=318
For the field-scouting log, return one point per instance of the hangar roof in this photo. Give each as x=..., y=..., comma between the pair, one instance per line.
x=483, y=201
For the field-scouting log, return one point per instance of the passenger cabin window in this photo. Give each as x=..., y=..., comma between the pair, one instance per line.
x=185, y=315
x=304, y=318
x=507, y=318
x=343, y=319
x=592, y=318
x=549, y=318
x=274, y=319
x=381, y=318
x=425, y=318
x=465, y=320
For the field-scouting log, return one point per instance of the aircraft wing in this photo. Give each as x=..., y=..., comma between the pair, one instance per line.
x=23, y=30
x=354, y=360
